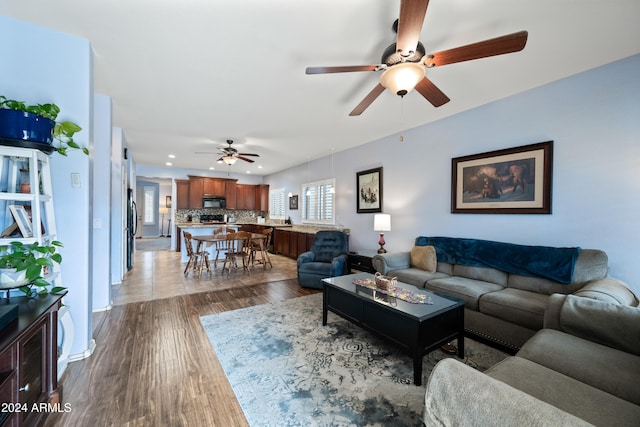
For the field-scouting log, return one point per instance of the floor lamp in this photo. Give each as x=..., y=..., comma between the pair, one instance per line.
x=162, y=212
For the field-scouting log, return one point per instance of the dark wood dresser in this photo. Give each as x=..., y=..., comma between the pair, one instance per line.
x=29, y=362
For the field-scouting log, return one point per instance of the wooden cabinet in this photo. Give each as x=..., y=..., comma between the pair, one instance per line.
x=196, y=190
x=262, y=197
x=29, y=361
x=245, y=196
x=230, y=193
x=182, y=194
x=214, y=187
x=291, y=243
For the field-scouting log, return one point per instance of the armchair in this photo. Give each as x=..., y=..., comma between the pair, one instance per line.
x=327, y=258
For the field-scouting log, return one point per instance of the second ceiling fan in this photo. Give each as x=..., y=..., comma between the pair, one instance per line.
x=403, y=63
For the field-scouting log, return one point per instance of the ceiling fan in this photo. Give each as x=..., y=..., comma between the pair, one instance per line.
x=404, y=62
x=230, y=155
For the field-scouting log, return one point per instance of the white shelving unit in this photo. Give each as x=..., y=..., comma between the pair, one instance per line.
x=19, y=166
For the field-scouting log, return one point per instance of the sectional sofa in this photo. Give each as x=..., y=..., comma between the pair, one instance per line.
x=581, y=369
x=506, y=287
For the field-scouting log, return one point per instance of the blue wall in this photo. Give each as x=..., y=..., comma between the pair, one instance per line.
x=592, y=118
x=66, y=80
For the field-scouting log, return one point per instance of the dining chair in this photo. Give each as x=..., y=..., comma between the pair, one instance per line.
x=220, y=246
x=238, y=246
x=196, y=257
x=262, y=247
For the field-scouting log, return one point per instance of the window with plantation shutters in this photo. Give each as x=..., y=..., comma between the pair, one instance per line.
x=318, y=202
x=277, y=203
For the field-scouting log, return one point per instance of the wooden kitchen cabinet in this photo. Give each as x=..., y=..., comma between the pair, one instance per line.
x=291, y=243
x=29, y=361
x=182, y=194
x=245, y=197
x=230, y=193
x=214, y=187
x=262, y=197
x=196, y=190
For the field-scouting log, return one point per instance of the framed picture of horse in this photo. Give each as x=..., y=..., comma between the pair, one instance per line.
x=512, y=181
x=369, y=186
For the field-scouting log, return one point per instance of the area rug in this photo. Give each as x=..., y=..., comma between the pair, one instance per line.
x=286, y=369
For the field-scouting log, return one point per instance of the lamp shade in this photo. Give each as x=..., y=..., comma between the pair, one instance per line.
x=402, y=78
x=382, y=222
x=229, y=160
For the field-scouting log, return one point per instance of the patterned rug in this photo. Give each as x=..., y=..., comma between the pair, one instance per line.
x=286, y=369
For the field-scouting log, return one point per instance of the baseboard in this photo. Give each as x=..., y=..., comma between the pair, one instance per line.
x=87, y=353
x=101, y=309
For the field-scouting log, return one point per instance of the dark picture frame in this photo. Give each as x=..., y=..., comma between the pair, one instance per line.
x=510, y=181
x=293, y=202
x=369, y=191
x=167, y=202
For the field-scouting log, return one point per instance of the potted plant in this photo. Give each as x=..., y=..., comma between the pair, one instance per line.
x=28, y=265
x=37, y=123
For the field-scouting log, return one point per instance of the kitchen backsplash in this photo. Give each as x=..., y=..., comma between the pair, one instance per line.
x=242, y=216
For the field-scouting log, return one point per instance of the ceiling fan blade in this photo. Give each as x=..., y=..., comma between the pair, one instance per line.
x=431, y=92
x=509, y=43
x=412, y=14
x=367, y=100
x=344, y=69
x=249, y=154
x=245, y=159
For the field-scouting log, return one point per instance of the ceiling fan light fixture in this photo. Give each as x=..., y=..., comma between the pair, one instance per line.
x=229, y=160
x=400, y=79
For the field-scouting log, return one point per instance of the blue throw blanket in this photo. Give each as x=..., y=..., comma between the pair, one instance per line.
x=535, y=261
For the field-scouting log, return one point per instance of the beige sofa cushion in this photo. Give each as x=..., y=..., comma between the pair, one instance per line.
x=602, y=367
x=424, y=258
x=468, y=290
x=582, y=400
x=517, y=306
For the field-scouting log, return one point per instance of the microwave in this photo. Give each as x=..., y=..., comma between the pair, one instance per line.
x=214, y=202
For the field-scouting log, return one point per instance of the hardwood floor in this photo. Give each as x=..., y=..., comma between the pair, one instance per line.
x=153, y=364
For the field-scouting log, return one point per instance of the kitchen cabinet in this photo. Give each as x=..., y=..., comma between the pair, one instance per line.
x=29, y=361
x=196, y=190
x=245, y=196
x=182, y=194
x=230, y=193
x=291, y=243
x=262, y=197
x=214, y=187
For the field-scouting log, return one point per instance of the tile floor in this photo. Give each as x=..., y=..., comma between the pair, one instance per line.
x=159, y=274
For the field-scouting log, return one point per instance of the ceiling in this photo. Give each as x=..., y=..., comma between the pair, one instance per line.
x=185, y=75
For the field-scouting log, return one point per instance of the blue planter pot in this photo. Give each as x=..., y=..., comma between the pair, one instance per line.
x=21, y=126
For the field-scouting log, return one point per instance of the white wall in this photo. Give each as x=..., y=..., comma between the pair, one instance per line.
x=34, y=70
x=101, y=203
x=592, y=117
x=118, y=206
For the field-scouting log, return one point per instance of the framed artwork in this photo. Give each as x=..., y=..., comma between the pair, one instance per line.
x=22, y=219
x=293, y=202
x=369, y=186
x=513, y=181
x=167, y=202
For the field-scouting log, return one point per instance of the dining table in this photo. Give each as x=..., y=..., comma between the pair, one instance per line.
x=222, y=237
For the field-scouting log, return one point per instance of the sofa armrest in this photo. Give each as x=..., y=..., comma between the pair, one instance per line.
x=339, y=265
x=384, y=263
x=305, y=257
x=459, y=395
x=606, y=323
x=609, y=290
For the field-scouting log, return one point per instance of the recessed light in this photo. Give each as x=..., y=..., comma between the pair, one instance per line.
x=168, y=163
x=259, y=166
x=172, y=156
x=248, y=171
x=211, y=168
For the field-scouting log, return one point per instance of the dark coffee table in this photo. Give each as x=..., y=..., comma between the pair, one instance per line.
x=416, y=328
